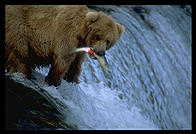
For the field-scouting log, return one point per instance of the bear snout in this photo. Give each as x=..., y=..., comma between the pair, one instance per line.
x=100, y=53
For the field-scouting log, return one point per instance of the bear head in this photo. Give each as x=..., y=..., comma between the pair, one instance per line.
x=102, y=32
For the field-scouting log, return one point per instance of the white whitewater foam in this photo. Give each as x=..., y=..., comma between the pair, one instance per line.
x=94, y=106
x=91, y=106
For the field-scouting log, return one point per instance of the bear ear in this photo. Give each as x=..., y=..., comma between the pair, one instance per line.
x=92, y=16
x=120, y=29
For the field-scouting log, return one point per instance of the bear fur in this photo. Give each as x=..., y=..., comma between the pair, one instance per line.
x=42, y=35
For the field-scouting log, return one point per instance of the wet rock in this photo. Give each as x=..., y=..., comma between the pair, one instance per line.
x=140, y=10
x=187, y=9
x=28, y=109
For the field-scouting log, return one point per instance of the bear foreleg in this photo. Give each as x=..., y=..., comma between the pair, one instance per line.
x=75, y=68
x=58, y=68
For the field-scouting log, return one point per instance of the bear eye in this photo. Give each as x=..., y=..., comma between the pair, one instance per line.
x=97, y=38
x=108, y=42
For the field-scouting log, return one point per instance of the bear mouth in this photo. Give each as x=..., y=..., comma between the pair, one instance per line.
x=100, y=56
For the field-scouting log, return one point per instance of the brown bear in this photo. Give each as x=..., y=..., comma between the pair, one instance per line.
x=42, y=35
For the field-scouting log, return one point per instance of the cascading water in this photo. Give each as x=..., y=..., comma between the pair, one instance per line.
x=151, y=65
x=148, y=85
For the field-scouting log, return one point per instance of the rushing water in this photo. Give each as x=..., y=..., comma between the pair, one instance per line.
x=148, y=85
x=151, y=65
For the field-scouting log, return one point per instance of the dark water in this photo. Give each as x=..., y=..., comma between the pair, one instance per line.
x=149, y=82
